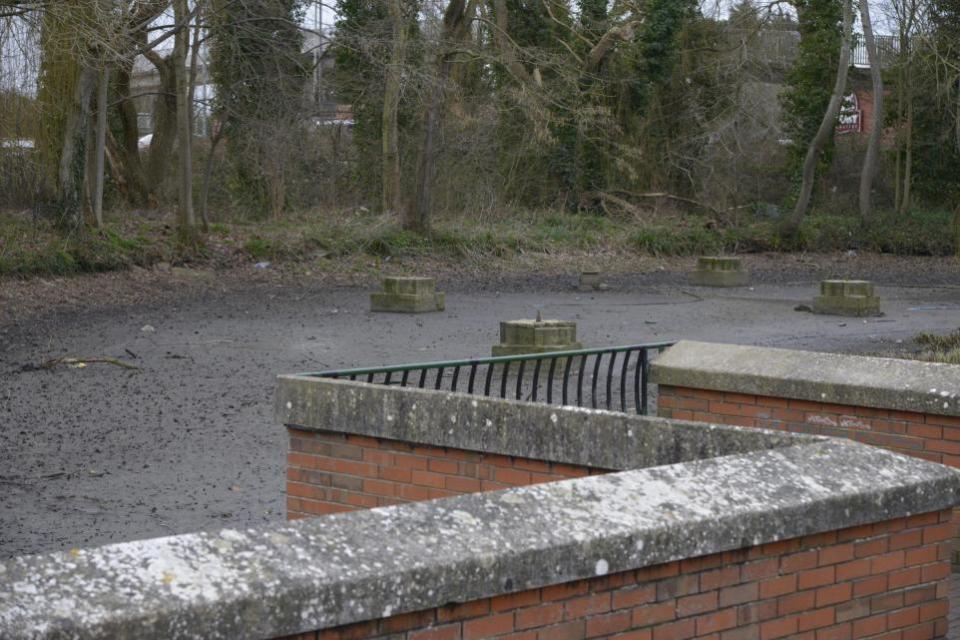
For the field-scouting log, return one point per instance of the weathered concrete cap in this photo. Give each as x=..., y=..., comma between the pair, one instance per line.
x=536, y=336
x=278, y=580
x=573, y=435
x=882, y=383
x=538, y=332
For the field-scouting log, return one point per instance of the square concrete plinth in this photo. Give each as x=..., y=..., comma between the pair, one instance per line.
x=407, y=295
x=536, y=336
x=590, y=280
x=846, y=298
x=719, y=271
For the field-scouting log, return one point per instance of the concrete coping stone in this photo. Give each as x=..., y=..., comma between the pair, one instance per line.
x=860, y=381
x=276, y=580
x=571, y=435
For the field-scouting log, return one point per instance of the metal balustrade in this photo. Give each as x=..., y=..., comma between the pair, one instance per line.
x=613, y=378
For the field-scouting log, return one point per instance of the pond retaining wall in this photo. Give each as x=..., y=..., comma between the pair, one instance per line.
x=683, y=530
x=907, y=406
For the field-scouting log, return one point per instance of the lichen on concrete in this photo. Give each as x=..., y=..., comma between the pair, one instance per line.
x=572, y=435
x=859, y=381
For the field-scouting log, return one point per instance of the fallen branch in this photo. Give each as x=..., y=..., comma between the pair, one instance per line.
x=605, y=197
x=669, y=196
x=49, y=364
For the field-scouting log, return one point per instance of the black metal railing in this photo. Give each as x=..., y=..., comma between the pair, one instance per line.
x=606, y=378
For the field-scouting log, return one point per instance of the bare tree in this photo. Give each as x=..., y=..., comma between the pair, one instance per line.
x=103, y=83
x=391, y=200
x=456, y=25
x=827, y=124
x=904, y=14
x=185, y=216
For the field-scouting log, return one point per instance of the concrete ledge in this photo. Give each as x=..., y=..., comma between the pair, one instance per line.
x=571, y=435
x=882, y=383
x=268, y=582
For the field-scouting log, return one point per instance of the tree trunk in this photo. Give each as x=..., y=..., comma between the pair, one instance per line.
x=391, y=201
x=194, y=67
x=869, y=171
x=207, y=171
x=164, y=122
x=185, y=217
x=455, y=25
x=827, y=125
x=901, y=88
x=956, y=230
x=73, y=155
x=908, y=162
x=101, y=142
x=128, y=147
x=276, y=181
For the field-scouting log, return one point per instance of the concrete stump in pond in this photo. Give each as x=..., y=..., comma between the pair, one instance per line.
x=536, y=336
x=591, y=280
x=407, y=295
x=720, y=271
x=846, y=298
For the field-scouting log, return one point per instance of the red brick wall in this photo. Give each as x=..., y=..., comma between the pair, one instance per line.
x=927, y=436
x=923, y=435
x=887, y=580
x=330, y=472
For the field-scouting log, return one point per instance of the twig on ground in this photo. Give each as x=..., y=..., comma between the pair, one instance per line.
x=49, y=364
x=16, y=480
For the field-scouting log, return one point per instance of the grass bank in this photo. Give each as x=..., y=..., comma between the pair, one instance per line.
x=29, y=247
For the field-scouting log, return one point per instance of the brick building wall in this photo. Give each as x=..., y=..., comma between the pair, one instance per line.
x=331, y=472
x=886, y=580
